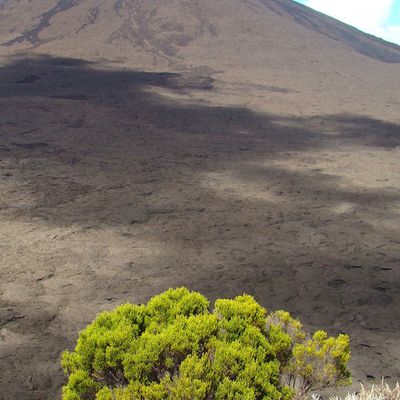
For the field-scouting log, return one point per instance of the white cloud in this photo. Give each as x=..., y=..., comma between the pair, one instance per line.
x=367, y=15
x=390, y=33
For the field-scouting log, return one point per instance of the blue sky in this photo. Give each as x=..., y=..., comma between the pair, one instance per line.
x=378, y=17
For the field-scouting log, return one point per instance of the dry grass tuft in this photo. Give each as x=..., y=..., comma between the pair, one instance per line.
x=375, y=392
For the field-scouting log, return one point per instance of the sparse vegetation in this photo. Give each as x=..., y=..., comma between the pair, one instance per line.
x=375, y=392
x=174, y=347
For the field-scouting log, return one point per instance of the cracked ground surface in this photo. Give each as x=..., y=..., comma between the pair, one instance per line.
x=116, y=185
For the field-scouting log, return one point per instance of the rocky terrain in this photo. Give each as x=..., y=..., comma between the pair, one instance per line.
x=228, y=146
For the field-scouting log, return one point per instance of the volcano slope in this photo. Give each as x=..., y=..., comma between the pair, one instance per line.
x=230, y=146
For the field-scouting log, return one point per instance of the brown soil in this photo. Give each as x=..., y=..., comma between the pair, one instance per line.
x=276, y=176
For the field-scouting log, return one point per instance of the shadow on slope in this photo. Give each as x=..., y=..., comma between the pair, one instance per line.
x=74, y=132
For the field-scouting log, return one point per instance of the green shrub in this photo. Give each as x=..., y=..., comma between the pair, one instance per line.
x=175, y=348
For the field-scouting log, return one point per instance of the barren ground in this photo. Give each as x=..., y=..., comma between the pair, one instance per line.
x=117, y=184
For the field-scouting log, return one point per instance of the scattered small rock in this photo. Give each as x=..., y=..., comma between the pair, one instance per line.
x=335, y=283
x=71, y=97
x=11, y=318
x=30, y=145
x=195, y=209
x=44, y=278
x=353, y=266
x=29, y=79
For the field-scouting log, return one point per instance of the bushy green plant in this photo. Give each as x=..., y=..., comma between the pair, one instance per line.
x=175, y=348
x=308, y=362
